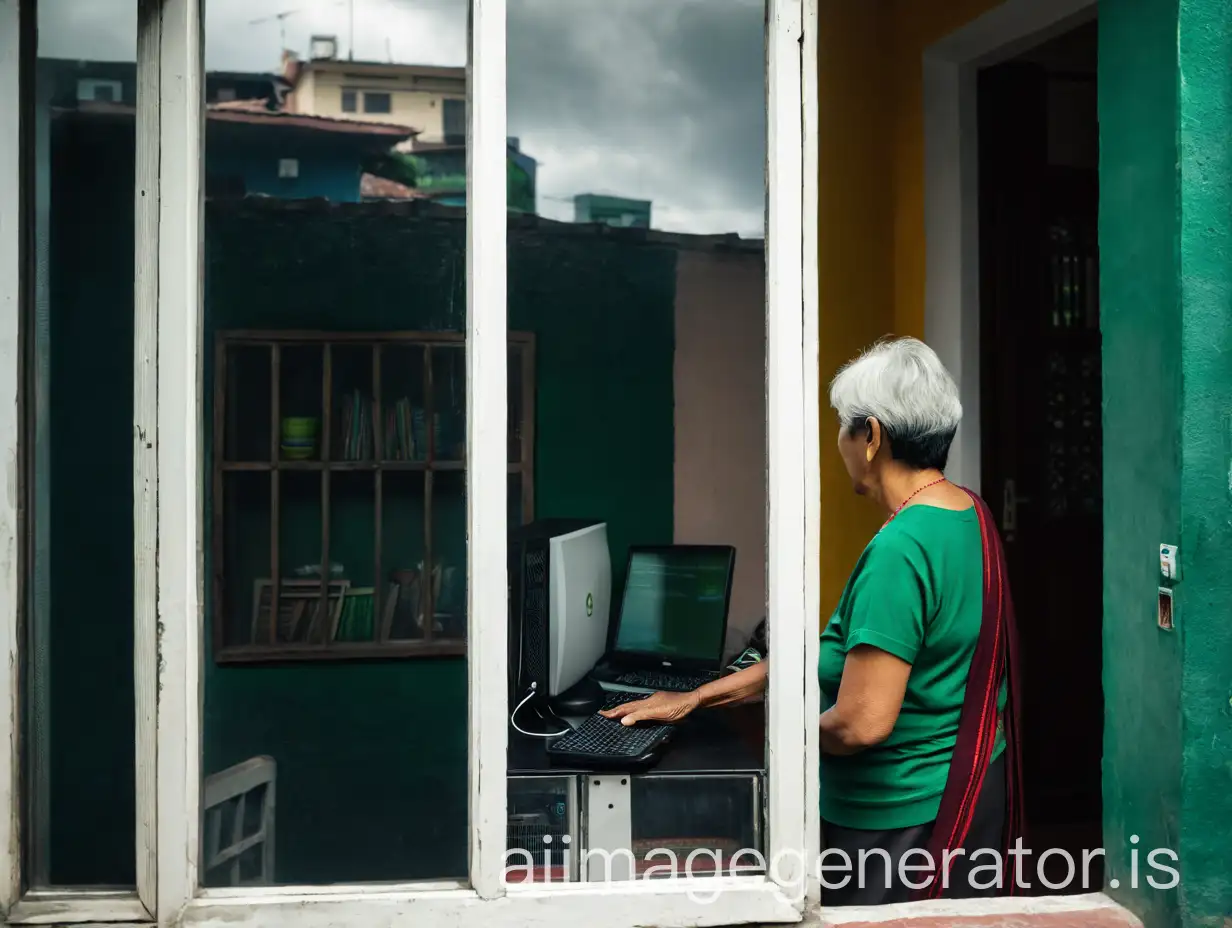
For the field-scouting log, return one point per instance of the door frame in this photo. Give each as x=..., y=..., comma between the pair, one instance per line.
x=951, y=191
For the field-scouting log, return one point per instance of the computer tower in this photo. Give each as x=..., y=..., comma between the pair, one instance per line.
x=530, y=602
x=543, y=831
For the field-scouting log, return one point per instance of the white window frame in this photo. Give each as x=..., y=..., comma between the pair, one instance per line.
x=12, y=562
x=17, y=282
x=168, y=524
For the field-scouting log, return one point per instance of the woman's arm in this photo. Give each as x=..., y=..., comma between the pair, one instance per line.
x=870, y=697
x=742, y=686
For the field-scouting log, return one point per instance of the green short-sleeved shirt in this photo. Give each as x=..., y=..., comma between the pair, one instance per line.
x=917, y=592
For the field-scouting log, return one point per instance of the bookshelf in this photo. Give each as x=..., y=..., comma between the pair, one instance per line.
x=338, y=520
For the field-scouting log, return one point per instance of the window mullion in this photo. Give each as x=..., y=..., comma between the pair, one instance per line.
x=487, y=404
x=179, y=453
x=810, y=191
x=10, y=433
x=787, y=714
x=145, y=449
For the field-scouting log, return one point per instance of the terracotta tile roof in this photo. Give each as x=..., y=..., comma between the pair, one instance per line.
x=255, y=112
x=382, y=188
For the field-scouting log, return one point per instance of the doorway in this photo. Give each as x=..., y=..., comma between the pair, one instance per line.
x=1040, y=417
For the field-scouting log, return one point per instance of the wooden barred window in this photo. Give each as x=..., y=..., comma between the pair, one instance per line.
x=338, y=503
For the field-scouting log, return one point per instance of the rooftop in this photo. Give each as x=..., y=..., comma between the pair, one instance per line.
x=257, y=113
x=372, y=187
x=374, y=68
x=524, y=226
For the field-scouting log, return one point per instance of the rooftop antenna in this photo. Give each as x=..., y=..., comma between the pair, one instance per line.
x=351, y=42
x=281, y=18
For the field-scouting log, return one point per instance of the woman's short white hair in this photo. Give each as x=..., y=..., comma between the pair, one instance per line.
x=904, y=386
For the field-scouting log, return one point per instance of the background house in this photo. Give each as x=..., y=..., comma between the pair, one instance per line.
x=438, y=172
x=90, y=81
x=612, y=211
x=432, y=99
x=291, y=155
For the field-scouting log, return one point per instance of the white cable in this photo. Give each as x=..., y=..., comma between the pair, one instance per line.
x=531, y=734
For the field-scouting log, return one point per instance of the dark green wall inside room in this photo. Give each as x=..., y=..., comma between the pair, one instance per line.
x=91, y=747
x=372, y=755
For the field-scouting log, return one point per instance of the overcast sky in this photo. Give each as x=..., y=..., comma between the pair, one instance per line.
x=653, y=99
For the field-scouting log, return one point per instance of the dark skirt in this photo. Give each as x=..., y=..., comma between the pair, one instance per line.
x=877, y=887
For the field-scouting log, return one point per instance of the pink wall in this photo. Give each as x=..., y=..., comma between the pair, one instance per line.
x=720, y=388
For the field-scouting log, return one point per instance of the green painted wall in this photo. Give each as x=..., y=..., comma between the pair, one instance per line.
x=1141, y=313
x=372, y=756
x=1205, y=589
x=1166, y=195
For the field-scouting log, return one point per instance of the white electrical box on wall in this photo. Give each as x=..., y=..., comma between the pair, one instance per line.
x=1169, y=562
x=288, y=168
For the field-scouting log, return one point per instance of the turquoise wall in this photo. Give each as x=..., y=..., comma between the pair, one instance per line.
x=1205, y=589
x=372, y=756
x=328, y=165
x=1141, y=321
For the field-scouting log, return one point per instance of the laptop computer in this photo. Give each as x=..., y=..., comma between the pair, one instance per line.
x=671, y=627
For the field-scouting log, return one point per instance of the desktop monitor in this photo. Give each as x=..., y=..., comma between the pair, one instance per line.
x=560, y=590
x=674, y=609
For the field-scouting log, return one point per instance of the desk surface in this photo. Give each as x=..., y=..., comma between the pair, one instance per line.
x=709, y=741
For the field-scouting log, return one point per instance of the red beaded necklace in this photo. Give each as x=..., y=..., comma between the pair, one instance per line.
x=903, y=504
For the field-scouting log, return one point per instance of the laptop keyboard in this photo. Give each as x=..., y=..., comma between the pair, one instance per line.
x=600, y=738
x=668, y=682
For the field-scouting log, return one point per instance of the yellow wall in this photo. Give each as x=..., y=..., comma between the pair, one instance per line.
x=855, y=247
x=416, y=101
x=871, y=236
x=915, y=25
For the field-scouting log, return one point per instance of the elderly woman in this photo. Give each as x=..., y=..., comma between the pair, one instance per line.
x=918, y=662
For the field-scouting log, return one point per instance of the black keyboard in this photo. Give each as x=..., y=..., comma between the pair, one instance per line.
x=668, y=682
x=613, y=699
x=601, y=741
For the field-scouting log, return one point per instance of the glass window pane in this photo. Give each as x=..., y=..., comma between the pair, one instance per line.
x=711, y=825
x=80, y=714
x=544, y=817
x=636, y=280
x=335, y=299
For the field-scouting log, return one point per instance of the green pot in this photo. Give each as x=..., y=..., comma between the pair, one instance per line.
x=299, y=437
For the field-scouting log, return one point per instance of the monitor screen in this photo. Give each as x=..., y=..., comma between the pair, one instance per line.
x=675, y=602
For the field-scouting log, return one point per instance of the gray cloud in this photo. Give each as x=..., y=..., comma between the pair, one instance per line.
x=644, y=98
x=652, y=99
x=98, y=30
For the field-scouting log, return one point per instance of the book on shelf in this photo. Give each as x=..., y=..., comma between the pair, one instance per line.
x=406, y=433
x=355, y=623
x=401, y=440
x=355, y=427
x=404, y=436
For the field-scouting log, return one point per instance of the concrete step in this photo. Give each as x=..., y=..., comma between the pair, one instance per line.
x=1088, y=911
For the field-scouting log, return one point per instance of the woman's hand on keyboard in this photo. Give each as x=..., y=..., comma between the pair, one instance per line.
x=660, y=707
